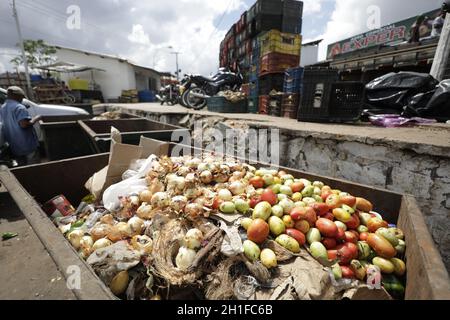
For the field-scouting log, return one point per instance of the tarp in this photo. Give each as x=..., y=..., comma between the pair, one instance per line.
x=67, y=67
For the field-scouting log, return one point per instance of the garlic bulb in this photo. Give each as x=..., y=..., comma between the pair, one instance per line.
x=203, y=167
x=190, y=178
x=193, y=239
x=192, y=193
x=120, y=231
x=134, y=200
x=136, y=225
x=185, y=258
x=193, y=163
x=101, y=243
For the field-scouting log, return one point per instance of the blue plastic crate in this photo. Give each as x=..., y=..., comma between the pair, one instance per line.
x=222, y=105
x=253, y=104
x=294, y=73
x=254, y=88
x=293, y=80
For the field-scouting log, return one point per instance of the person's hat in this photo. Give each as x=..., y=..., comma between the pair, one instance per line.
x=16, y=90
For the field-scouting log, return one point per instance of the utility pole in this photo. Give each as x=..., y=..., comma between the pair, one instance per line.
x=22, y=48
x=178, y=69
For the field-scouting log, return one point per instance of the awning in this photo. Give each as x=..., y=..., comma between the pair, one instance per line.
x=67, y=67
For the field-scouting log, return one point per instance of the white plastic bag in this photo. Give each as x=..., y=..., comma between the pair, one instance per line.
x=133, y=185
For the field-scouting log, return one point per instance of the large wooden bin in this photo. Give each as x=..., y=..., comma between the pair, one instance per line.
x=31, y=186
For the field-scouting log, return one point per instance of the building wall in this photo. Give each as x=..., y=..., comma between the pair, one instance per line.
x=118, y=76
x=309, y=55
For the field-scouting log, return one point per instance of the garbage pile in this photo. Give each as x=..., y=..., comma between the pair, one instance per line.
x=213, y=228
x=232, y=96
x=109, y=116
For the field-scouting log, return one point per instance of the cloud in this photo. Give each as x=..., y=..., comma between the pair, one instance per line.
x=138, y=35
x=350, y=17
x=2, y=68
x=312, y=6
x=136, y=30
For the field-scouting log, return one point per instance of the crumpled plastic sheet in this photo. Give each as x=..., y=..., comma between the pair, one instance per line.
x=393, y=121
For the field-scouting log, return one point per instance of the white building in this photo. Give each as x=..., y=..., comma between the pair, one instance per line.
x=310, y=53
x=119, y=74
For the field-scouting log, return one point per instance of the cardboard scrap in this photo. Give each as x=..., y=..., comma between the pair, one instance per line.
x=120, y=159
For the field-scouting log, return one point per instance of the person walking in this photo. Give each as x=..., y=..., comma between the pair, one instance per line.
x=18, y=128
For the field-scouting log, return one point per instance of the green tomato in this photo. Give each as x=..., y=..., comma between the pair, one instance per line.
x=275, y=188
x=277, y=211
x=308, y=191
x=297, y=197
x=241, y=205
x=286, y=190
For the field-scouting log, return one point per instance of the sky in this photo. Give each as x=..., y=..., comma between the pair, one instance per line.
x=143, y=31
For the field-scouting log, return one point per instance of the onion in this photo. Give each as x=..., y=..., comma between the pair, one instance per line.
x=145, y=211
x=145, y=196
x=143, y=244
x=119, y=283
x=107, y=219
x=160, y=200
x=100, y=231
x=237, y=188
x=202, y=167
x=206, y=177
x=101, y=243
x=183, y=171
x=75, y=238
x=193, y=163
x=134, y=200
x=120, y=231
x=136, y=225
x=176, y=182
x=178, y=203
x=190, y=178
x=225, y=195
x=185, y=258
x=221, y=178
x=192, y=193
x=193, y=210
x=86, y=242
x=193, y=239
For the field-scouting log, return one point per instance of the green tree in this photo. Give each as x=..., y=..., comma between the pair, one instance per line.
x=37, y=53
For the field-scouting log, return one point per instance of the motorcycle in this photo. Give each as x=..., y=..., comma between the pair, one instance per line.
x=200, y=88
x=169, y=94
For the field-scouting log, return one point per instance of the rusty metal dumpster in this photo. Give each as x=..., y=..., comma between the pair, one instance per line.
x=427, y=277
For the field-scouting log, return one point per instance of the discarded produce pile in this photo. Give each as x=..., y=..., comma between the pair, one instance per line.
x=220, y=229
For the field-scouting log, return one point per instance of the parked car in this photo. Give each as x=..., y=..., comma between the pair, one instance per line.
x=44, y=110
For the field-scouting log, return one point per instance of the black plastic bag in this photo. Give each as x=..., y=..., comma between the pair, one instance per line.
x=395, y=90
x=437, y=107
x=418, y=102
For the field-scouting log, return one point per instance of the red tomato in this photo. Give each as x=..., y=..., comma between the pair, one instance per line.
x=258, y=231
x=347, y=272
x=349, y=200
x=333, y=201
x=332, y=255
x=254, y=201
x=340, y=235
x=327, y=228
x=257, y=182
x=269, y=196
x=320, y=208
x=304, y=213
x=351, y=237
x=363, y=236
x=353, y=249
x=329, y=243
x=376, y=223
x=216, y=203
x=353, y=223
x=297, y=187
x=297, y=235
x=328, y=216
x=345, y=254
x=325, y=194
